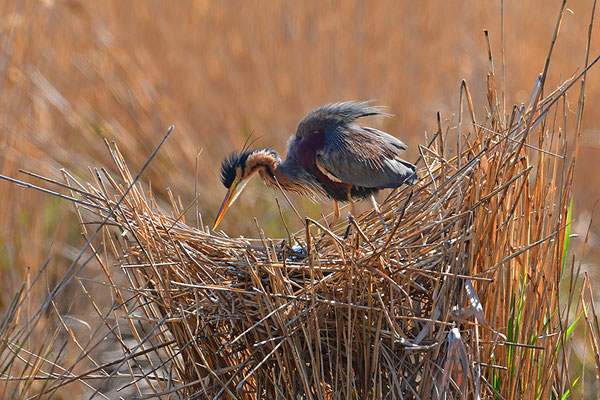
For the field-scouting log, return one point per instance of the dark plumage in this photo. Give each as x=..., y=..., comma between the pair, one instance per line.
x=229, y=165
x=329, y=156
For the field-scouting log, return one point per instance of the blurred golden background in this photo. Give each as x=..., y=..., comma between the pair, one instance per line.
x=72, y=72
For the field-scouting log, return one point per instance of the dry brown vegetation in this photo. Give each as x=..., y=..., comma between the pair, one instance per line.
x=468, y=279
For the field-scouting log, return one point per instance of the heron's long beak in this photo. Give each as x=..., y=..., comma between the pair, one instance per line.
x=234, y=191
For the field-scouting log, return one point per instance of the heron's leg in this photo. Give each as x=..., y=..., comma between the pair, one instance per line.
x=336, y=214
x=376, y=207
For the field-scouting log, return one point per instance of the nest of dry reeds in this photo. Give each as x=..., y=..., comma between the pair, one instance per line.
x=451, y=291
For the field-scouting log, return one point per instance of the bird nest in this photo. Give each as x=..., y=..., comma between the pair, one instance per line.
x=452, y=289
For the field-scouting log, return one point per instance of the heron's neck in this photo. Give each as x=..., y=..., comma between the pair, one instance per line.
x=272, y=171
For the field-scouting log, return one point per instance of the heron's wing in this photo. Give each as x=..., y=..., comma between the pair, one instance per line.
x=365, y=157
x=335, y=114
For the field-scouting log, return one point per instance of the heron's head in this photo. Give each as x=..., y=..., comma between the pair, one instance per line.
x=238, y=168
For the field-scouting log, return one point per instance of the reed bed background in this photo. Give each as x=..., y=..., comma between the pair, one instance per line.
x=470, y=289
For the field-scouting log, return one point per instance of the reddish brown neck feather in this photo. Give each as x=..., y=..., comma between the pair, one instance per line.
x=259, y=159
x=267, y=167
